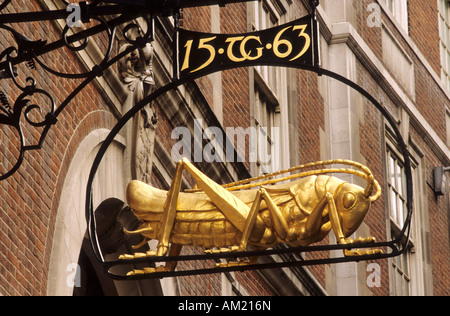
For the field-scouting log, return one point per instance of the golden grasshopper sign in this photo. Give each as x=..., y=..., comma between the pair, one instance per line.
x=297, y=207
x=290, y=43
x=228, y=218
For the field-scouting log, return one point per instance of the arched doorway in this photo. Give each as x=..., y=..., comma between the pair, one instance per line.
x=71, y=256
x=91, y=280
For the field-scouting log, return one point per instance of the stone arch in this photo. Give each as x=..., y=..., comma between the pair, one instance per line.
x=70, y=224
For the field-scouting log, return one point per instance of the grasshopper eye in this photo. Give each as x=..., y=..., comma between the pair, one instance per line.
x=349, y=200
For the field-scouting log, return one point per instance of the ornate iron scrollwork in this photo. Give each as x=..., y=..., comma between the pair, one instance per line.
x=23, y=106
x=22, y=113
x=23, y=110
x=4, y=4
x=391, y=248
x=109, y=15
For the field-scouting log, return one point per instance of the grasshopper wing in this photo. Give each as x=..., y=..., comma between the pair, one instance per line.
x=235, y=210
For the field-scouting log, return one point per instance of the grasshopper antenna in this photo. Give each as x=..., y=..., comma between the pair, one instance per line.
x=363, y=172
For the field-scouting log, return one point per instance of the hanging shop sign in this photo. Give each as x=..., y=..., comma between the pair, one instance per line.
x=290, y=44
x=224, y=218
x=219, y=219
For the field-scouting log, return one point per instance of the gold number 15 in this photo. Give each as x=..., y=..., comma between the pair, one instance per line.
x=202, y=45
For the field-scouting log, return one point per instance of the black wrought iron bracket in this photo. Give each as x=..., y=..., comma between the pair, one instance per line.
x=109, y=16
x=393, y=248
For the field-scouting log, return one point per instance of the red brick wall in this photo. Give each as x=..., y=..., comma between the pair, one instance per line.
x=235, y=82
x=29, y=200
x=199, y=19
x=438, y=253
x=372, y=150
x=424, y=30
x=371, y=35
x=311, y=116
x=431, y=102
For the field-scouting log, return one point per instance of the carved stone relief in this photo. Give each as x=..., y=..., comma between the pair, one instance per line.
x=136, y=73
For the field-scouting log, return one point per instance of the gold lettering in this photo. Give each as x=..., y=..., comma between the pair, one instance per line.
x=307, y=39
x=277, y=42
x=282, y=47
x=210, y=48
x=233, y=40
x=259, y=49
x=188, y=47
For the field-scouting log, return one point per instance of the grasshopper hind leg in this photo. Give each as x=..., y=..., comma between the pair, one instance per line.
x=241, y=262
x=170, y=266
x=223, y=250
x=141, y=231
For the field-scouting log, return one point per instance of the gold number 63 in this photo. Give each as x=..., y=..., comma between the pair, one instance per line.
x=278, y=41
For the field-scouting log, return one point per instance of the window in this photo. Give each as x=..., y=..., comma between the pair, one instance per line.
x=267, y=132
x=397, y=190
x=266, y=17
x=400, y=265
x=399, y=9
x=400, y=269
x=270, y=98
x=406, y=270
x=444, y=33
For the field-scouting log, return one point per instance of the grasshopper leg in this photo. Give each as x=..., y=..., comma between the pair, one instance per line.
x=239, y=263
x=280, y=225
x=233, y=208
x=170, y=210
x=170, y=266
x=249, y=223
x=336, y=224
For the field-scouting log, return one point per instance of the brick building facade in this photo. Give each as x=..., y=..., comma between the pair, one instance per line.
x=398, y=50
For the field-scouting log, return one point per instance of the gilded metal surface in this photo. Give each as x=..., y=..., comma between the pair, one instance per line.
x=228, y=218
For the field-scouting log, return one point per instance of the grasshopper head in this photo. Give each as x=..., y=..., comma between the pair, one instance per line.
x=352, y=204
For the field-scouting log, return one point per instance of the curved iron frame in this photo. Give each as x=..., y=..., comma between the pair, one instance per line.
x=393, y=245
x=29, y=51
